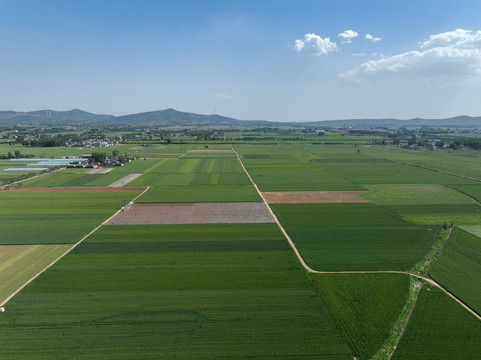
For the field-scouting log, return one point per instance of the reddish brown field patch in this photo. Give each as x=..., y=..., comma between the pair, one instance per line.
x=59, y=189
x=314, y=197
x=194, y=213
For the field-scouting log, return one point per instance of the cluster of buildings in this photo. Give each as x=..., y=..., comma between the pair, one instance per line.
x=90, y=143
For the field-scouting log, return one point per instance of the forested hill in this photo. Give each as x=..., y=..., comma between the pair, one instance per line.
x=171, y=117
x=51, y=117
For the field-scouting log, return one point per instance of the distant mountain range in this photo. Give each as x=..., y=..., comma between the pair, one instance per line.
x=453, y=122
x=51, y=117
x=171, y=117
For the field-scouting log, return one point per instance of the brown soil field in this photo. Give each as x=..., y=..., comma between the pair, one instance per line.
x=193, y=213
x=313, y=197
x=131, y=188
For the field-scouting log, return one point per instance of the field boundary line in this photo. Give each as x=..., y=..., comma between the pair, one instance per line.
x=291, y=243
x=311, y=270
x=426, y=279
x=65, y=253
x=406, y=323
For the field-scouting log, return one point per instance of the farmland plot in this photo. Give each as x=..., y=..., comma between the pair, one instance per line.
x=9, y=176
x=459, y=268
x=194, y=172
x=194, y=213
x=439, y=329
x=334, y=237
x=464, y=162
x=426, y=194
x=287, y=168
x=84, y=177
x=313, y=197
x=19, y=263
x=439, y=213
x=365, y=170
x=166, y=292
x=473, y=190
x=364, y=306
x=53, y=217
x=168, y=194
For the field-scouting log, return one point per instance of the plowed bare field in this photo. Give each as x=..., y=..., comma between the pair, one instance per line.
x=194, y=213
x=314, y=197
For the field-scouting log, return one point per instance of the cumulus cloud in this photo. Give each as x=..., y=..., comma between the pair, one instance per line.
x=372, y=38
x=347, y=36
x=315, y=45
x=459, y=37
x=455, y=54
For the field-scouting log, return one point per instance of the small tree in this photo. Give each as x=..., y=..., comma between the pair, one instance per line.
x=115, y=153
x=99, y=157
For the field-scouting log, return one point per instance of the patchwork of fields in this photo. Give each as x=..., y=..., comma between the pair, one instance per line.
x=195, y=292
x=56, y=217
x=156, y=282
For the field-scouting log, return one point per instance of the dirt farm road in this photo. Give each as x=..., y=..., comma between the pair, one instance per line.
x=65, y=253
x=309, y=269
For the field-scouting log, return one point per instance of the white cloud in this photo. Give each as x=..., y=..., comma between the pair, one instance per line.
x=359, y=54
x=372, y=38
x=458, y=37
x=315, y=45
x=347, y=36
x=458, y=55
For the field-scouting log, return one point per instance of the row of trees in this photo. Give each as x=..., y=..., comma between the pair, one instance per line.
x=16, y=155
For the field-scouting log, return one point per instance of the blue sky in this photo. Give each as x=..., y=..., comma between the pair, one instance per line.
x=274, y=60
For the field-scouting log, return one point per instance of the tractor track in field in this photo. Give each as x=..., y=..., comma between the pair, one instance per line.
x=65, y=253
x=313, y=271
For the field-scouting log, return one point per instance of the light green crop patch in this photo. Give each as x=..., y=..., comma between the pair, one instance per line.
x=19, y=263
x=415, y=195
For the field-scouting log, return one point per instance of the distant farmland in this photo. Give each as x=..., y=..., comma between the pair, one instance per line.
x=235, y=289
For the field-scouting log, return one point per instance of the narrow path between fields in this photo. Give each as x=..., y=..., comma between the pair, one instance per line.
x=309, y=269
x=125, y=180
x=65, y=253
